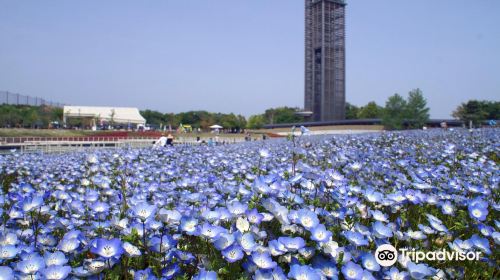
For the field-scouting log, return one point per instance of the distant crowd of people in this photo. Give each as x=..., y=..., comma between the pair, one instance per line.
x=168, y=140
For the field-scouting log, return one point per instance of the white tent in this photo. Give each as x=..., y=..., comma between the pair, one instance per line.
x=116, y=114
x=215, y=126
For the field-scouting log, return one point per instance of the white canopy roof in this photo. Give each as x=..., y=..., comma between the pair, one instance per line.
x=118, y=114
x=216, y=126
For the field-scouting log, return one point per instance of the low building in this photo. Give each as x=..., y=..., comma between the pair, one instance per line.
x=94, y=116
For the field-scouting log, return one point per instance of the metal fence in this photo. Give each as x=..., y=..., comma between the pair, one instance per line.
x=19, y=99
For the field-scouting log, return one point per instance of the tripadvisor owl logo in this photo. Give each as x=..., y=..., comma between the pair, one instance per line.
x=386, y=255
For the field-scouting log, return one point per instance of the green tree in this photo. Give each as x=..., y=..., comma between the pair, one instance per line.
x=394, y=112
x=256, y=121
x=153, y=117
x=417, y=111
x=477, y=111
x=370, y=111
x=282, y=115
x=351, y=111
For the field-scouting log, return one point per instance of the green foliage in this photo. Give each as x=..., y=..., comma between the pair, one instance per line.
x=197, y=119
x=282, y=115
x=397, y=111
x=416, y=109
x=370, y=111
x=351, y=111
x=394, y=112
x=256, y=122
x=24, y=116
x=478, y=111
x=274, y=116
x=153, y=117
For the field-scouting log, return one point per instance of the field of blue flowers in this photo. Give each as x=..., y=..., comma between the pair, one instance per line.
x=306, y=207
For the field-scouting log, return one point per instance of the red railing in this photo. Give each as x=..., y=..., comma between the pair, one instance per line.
x=107, y=138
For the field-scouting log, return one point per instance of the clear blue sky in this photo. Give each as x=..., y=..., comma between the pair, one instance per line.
x=243, y=56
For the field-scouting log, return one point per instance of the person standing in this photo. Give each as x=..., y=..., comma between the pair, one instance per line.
x=170, y=140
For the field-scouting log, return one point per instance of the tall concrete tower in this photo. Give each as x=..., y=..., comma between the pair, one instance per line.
x=325, y=59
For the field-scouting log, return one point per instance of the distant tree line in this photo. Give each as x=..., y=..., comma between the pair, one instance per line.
x=398, y=113
x=478, y=111
x=25, y=116
x=275, y=116
x=197, y=119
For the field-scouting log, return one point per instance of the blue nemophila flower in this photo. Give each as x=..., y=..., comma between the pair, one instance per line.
x=8, y=252
x=247, y=242
x=417, y=235
x=419, y=271
x=233, y=253
x=292, y=244
x=56, y=258
x=356, y=238
x=369, y=262
x=381, y=231
x=171, y=271
x=394, y=274
x=237, y=208
x=320, y=233
x=161, y=244
x=254, y=216
x=206, y=275
x=480, y=243
x=485, y=229
x=260, y=186
x=307, y=252
x=68, y=245
x=275, y=274
x=100, y=207
x=56, y=272
x=426, y=229
x=478, y=209
x=32, y=203
x=496, y=237
x=107, y=248
x=31, y=266
x=307, y=218
x=146, y=274
x=144, y=211
x=190, y=226
x=352, y=271
x=276, y=248
x=210, y=231
x=436, y=223
x=367, y=275
x=8, y=238
x=379, y=216
x=6, y=273
x=460, y=245
x=303, y=272
x=447, y=208
x=225, y=240
x=264, y=153
x=185, y=257
x=326, y=267
x=171, y=217
x=263, y=260
x=131, y=250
